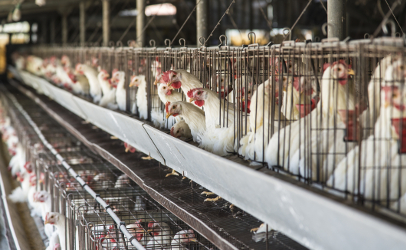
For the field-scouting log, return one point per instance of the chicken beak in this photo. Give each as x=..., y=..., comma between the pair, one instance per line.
x=351, y=72
x=192, y=99
x=169, y=83
x=46, y=222
x=132, y=84
x=193, y=240
x=167, y=116
x=156, y=81
x=386, y=104
x=284, y=88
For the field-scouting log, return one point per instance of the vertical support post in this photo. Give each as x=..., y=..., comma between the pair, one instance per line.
x=140, y=23
x=202, y=21
x=82, y=10
x=336, y=16
x=106, y=22
x=64, y=29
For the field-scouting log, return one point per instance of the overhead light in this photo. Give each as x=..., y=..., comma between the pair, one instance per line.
x=133, y=12
x=165, y=9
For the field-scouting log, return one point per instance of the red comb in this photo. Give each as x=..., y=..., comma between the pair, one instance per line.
x=151, y=224
x=167, y=106
x=190, y=93
x=165, y=75
x=172, y=131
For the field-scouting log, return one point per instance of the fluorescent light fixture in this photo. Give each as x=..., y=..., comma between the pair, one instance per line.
x=165, y=9
x=133, y=12
x=15, y=27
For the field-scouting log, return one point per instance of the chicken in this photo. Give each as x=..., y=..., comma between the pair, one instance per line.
x=58, y=220
x=260, y=232
x=103, y=181
x=381, y=155
x=108, y=89
x=122, y=181
x=180, y=79
x=181, y=129
x=142, y=103
x=182, y=238
x=261, y=123
x=284, y=144
x=193, y=116
x=295, y=93
x=212, y=105
x=54, y=243
x=43, y=197
x=91, y=75
x=129, y=148
x=220, y=137
x=138, y=232
x=167, y=94
x=161, y=235
x=121, y=96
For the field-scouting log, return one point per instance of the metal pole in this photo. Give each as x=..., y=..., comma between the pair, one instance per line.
x=64, y=29
x=202, y=21
x=106, y=22
x=82, y=17
x=336, y=16
x=140, y=23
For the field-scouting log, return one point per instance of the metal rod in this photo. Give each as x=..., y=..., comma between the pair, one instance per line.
x=140, y=23
x=106, y=22
x=336, y=16
x=82, y=9
x=201, y=19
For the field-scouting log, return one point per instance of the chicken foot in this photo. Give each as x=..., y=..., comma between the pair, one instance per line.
x=254, y=230
x=147, y=157
x=172, y=173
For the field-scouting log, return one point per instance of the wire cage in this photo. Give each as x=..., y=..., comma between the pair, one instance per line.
x=327, y=113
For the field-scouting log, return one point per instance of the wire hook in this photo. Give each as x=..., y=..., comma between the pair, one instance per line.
x=367, y=36
x=221, y=41
x=324, y=28
x=252, y=33
x=289, y=33
x=167, y=42
x=393, y=27
x=184, y=42
x=152, y=43
x=202, y=41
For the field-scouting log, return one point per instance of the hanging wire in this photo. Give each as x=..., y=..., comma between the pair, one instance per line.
x=297, y=20
x=187, y=19
x=218, y=23
x=269, y=23
x=384, y=20
x=322, y=4
x=394, y=16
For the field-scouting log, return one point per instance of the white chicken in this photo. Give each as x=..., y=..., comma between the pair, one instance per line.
x=108, y=90
x=44, y=199
x=262, y=126
x=91, y=75
x=193, y=116
x=121, y=96
x=161, y=235
x=180, y=79
x=381, y=155
x=54, y=243
x=181, y=129
x=58, y=220
x=284, y=144
x=182, y=238
x=142, y=103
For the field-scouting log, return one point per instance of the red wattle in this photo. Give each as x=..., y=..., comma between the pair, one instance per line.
x=400, y=127
x=176, y=85
x=199, y=103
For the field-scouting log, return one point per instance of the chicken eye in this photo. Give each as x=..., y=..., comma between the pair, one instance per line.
x=199, y=93
x=173, y=107
x=52, y=217
x=177, y=131
x=401, y=67
x=164, y=87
